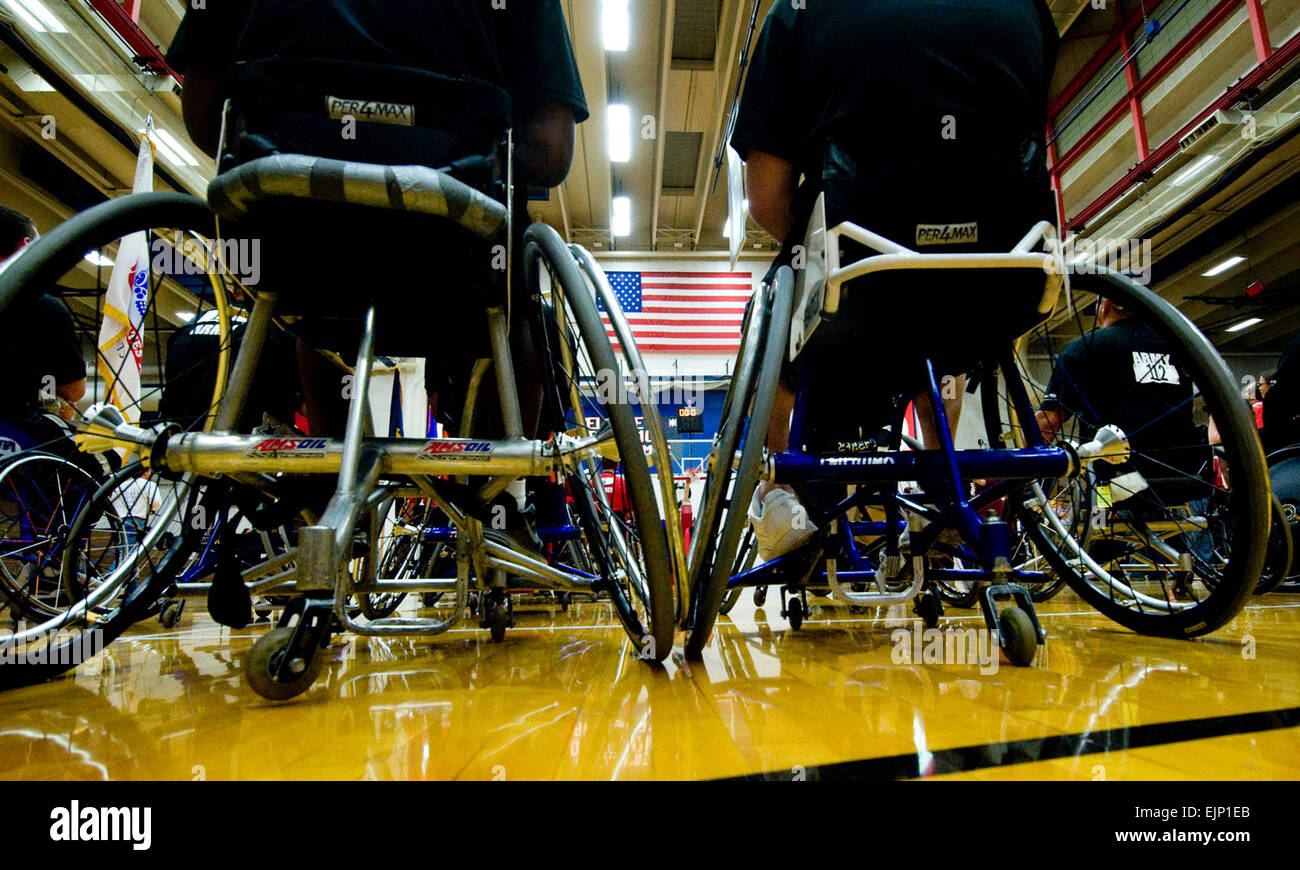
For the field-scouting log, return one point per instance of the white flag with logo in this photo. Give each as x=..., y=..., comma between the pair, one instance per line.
x=120, y=340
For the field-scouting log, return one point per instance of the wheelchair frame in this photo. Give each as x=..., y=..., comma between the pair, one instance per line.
x=940, y=473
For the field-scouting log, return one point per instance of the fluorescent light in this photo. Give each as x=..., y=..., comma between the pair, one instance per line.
x=619, y=126
x=166, y=142
x=1245, y=324
x=27, y=17
x=1197, y=167
x=95, y=258
x=620, y=223
x=46, y=16
x=615, y=25
x=1223, y=267
x=184, y=316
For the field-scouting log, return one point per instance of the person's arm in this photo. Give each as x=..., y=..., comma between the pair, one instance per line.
x=202, y=108
x=773, y=122
x=546, y=145
x=770, y=184
x=72, y=393
x=1049, y=423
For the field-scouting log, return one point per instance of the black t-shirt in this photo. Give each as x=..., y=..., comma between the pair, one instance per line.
x=1282, y=404
x=929, y=97
x=865, y=69
x=191, y=375
x=37, y=343
x=523, y=48
x=1124, y=375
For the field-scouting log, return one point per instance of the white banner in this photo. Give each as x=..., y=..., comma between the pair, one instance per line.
x=125, y=303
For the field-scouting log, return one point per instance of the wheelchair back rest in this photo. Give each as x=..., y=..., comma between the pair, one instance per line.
x=973, y=203
x=361, y=112
x=332, y=164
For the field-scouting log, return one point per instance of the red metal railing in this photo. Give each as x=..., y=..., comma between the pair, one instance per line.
x=123, y=20
x=1277, y=61
x=1270, y=62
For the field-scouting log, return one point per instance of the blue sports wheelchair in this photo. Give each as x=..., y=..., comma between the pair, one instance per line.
x=894, y=519
x=363, y=256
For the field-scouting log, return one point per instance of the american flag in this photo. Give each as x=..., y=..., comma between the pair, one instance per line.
x=683, y=312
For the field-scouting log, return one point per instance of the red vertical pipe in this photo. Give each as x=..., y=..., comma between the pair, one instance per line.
x=1259, y=30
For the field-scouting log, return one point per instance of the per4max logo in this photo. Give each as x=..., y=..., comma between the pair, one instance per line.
x=296, y=448
x=458, y=450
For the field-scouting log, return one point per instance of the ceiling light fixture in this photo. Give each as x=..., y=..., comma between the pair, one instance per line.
x=1223, y=267
x=1245, y=324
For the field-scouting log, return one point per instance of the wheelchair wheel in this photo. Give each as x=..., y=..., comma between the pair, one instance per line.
x=745, y=558
x=1277, y=566
x=1144, y=556
x=40, y=497
x=625, y=542
x=708, y=595
x=715, y=500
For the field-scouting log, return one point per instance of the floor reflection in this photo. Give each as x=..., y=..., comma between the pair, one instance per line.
x=564, y=697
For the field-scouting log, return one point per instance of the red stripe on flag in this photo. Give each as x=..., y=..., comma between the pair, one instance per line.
x=733, y=275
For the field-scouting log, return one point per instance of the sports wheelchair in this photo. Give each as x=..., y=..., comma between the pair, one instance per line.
x=520, y=510
x=875, y=544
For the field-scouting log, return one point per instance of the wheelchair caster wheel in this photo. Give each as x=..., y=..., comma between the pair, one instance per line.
x=171, y=613
x=929, y=608
x=565, y=599
x=1017, y=636
x=498, y=620
x=429, y=599
x=760, y=596
x=263, y=660
x=795, y=613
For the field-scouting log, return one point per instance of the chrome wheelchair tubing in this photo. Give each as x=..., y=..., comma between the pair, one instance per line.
x=1081, y=557
x=225, y=454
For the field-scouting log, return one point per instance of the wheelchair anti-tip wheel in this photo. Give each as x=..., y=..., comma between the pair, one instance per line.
x=1017, y=636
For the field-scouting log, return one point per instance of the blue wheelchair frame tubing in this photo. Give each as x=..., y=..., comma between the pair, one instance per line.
x=941, y=474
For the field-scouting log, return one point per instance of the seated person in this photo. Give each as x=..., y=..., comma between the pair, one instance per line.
x=1121, y=374
x=904, y=114
x=522, y=48
x=1281, y=413
x=41, y=355
x=191, y=375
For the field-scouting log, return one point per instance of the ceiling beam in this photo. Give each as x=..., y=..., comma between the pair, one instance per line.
x=661, y=115
x=728, y=63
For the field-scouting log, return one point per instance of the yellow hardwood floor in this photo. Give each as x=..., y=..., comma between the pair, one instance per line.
x=563, y=698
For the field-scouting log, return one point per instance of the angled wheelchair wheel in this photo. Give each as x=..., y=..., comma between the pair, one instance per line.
x=746, y=556
x=708, y=595
x=715, y=500
x=40, y=496
x=626, y=540
x=1143, y=551
x=1280, y=559
x=112, y=578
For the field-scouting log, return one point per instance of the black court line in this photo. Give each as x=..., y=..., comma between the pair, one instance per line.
x=967, y=758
